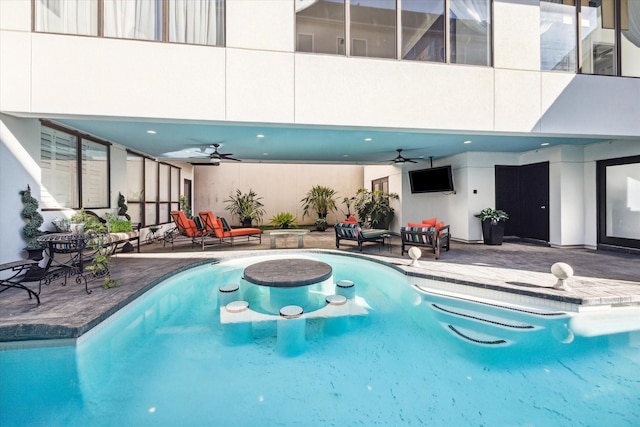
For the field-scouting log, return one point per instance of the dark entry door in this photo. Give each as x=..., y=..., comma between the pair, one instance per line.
x=523, y=192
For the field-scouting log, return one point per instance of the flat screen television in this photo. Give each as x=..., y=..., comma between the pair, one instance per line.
x=432, y=180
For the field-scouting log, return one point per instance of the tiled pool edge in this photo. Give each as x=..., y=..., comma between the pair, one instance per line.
x=48, y=332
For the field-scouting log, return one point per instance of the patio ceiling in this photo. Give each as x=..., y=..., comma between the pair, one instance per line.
x=268, y=143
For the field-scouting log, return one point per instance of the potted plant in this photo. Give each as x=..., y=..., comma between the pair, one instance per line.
x=85, y=223
x=31, y=230
x=374, y=208
x=347, y=201
x=184, y=206
x=246, y=206
x=492, y=225
x=319, y=199
x=320, y=224
x=283, y=220
x=122, y=207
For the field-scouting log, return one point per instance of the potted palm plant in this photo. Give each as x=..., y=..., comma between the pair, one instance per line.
x=492, y=225
x=321, y=200
x=374, y=208
x=247, y=207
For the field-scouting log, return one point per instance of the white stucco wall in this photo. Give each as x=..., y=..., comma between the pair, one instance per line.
x=259, y=78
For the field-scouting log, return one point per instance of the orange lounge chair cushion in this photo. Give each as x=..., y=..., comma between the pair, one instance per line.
x=185, y=225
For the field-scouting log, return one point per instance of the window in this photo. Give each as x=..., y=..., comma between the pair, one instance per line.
x=558, y=35
x=373, y=28
x=618, y=201
x=598, y=37
x=133, y=19
x=423, y=30
x=381, y=184
x=67, y=16
x=305, y=42
x=416, y=30
x=75, y=169
x=470, y=31
x=153, y=189
x=95, y=174
x=608, y=30
x=197, y=22
x=179, y=21
x=630, y=38
x=323, y=22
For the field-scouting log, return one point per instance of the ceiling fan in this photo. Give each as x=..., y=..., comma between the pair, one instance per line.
x=401, y=159
x=215, y=156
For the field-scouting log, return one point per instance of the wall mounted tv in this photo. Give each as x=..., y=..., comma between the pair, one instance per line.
x=431, y=180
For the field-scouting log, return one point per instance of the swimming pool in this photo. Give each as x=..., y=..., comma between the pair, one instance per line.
x=408, y=357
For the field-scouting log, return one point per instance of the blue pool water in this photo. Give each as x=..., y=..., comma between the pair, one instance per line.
x=407, y=358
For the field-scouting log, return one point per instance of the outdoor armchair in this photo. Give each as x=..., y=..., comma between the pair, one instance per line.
x=354, y=232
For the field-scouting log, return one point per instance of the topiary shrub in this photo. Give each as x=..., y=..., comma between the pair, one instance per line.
x=31, y=231
x=122, y=207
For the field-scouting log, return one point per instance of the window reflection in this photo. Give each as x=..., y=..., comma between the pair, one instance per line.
x=67, y=16
x=630, y=40
x=598, y=37
x=423, y=30
x=558, y=35
x=623, y=201
x=320, y=26
x=133, y=19
x=373, y=28
x=470, y=32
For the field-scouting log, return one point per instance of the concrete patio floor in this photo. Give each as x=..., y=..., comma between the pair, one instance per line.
x=601, y=280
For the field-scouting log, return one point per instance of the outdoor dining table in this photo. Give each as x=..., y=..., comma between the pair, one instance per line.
x=78, y=251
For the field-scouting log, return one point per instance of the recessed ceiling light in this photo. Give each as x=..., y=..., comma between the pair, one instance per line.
x=151, y=132
x=345, y=155
x=265, y=154
x=259, y=135
x=544, y=144
x=368, y=139
x=468, y=141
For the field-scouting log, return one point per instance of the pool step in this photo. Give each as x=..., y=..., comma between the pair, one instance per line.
x=482, y=317
x=477, y=337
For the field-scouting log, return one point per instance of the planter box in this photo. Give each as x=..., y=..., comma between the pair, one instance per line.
x=492, y=234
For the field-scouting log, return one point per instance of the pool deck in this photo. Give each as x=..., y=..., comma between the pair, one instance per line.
x=602, y=279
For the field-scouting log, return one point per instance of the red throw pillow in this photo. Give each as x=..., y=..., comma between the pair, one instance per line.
x=431, y=222
x=440, y=224
x=416, y=225
x=351, y=220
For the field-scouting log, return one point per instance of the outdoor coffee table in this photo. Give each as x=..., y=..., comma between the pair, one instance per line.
x=287, y=232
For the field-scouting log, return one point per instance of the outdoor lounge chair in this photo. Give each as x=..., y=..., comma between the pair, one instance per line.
x=354, y=232
x=187, y=227
x=215, y=227
x=422, y=234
